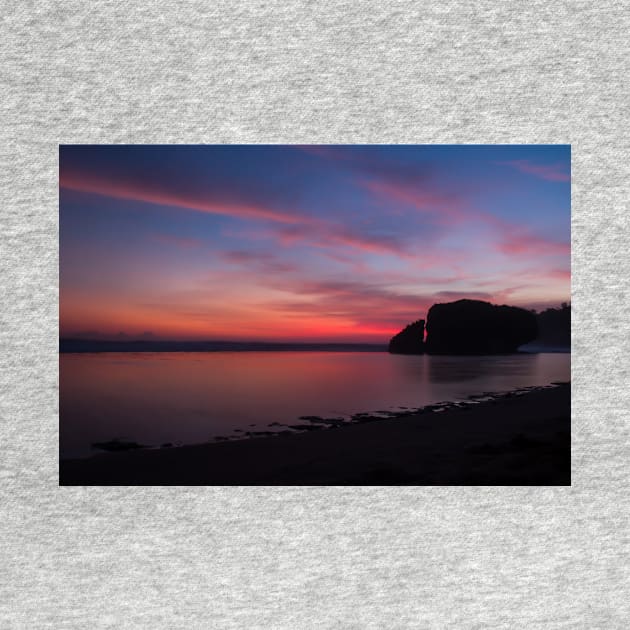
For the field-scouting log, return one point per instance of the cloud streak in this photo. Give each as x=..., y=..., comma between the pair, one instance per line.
x=259, y=261
x=321, y=242
x=550, y=172
x=133, y=191
x=450, y=210
x=293, y=226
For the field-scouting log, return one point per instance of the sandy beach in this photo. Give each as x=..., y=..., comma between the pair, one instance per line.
x=514, y=440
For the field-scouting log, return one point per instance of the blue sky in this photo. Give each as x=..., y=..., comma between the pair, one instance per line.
x=305, y=242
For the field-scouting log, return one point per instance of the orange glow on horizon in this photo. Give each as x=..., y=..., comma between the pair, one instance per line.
x=304, y=243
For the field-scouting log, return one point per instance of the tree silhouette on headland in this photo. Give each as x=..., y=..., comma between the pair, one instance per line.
x=554, y=326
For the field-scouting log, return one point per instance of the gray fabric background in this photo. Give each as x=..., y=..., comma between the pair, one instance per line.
x=287, y=72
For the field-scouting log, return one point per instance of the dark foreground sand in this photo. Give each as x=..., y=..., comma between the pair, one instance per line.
x=519, y=440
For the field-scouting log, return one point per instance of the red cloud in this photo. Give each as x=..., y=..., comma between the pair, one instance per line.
x=365, y=305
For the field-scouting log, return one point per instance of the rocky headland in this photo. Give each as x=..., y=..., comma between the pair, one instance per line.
x=467, y=327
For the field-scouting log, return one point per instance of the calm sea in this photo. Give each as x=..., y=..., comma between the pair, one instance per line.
x=184, y=398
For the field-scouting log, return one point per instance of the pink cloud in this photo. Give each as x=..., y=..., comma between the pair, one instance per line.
x=135, y=191
x=451, y=296
x=526, y=243
x=557, y=275
x=365, y=304
x=445, y=207
x=560, y=274
x=508, y=238
x=262, y=261
x=297, y=226
x=377, y=244
x=551, y=172
x=328, y=235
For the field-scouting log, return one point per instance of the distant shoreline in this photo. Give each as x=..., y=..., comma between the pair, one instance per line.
x=85, y=346
x=94, y=345
x=521, y=439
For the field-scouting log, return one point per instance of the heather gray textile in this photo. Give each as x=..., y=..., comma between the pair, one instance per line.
x=313, y=72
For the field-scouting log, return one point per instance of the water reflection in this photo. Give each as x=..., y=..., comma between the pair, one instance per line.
x=458, y=369
x=153, y=398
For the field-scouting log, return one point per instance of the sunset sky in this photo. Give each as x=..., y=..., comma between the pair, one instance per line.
x=304, y=243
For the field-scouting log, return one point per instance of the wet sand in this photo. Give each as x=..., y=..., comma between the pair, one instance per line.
x=513, y=440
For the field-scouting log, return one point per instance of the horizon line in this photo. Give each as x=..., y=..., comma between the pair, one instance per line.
x=219, y=341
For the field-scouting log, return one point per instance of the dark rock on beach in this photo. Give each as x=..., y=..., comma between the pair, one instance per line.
x=117, y=445
x=328, y=421
x=506, y=440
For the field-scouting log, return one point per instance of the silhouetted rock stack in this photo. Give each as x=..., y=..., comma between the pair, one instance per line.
x=468, y=327
x=410, y=340
x=475, y=327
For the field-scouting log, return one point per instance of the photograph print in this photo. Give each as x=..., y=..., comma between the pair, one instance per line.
x=321, y=315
